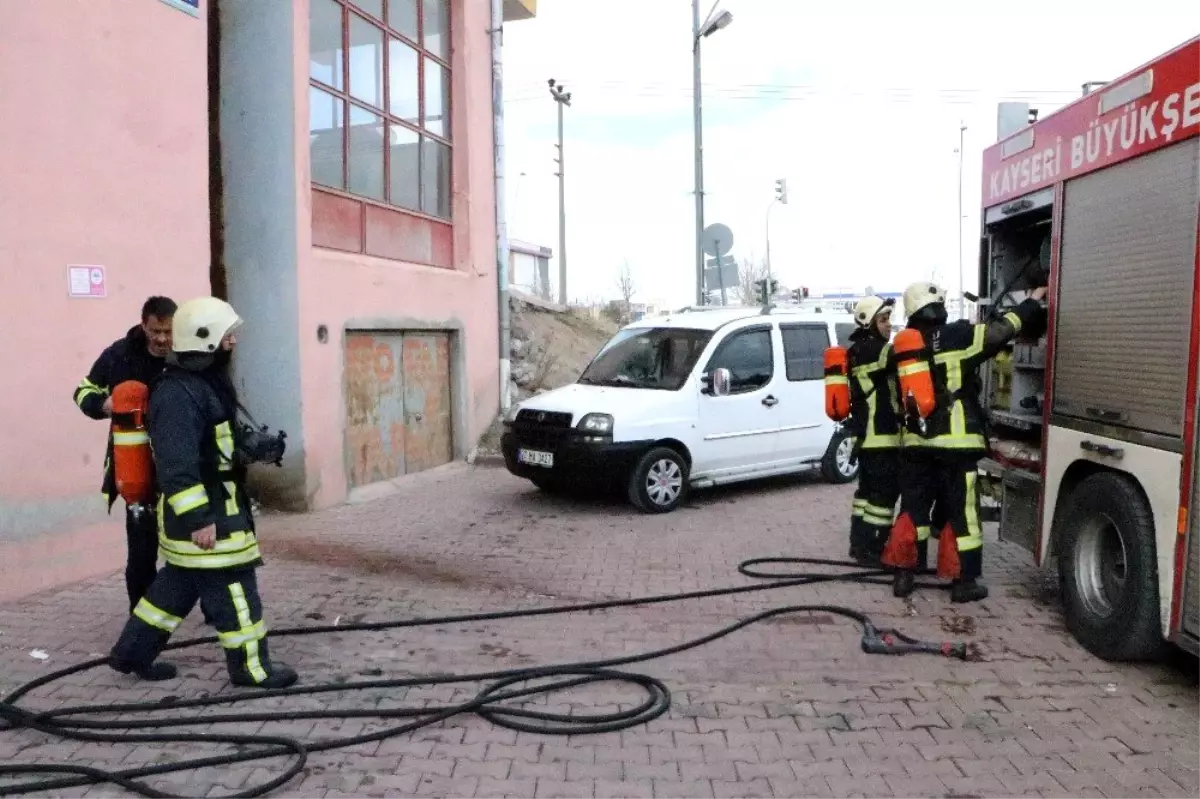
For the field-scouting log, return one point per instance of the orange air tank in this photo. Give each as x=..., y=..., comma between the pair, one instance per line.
x=837, y=383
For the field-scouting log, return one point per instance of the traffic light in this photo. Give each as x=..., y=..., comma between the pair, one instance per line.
x=765, y=292
x=799, y=294
x=781, y=190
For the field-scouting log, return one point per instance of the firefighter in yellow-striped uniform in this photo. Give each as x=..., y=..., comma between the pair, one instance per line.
x=205, y=525
x=874, y=418
x=942, y=452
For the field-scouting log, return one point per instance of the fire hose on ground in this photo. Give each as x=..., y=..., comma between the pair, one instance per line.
x=506, y=685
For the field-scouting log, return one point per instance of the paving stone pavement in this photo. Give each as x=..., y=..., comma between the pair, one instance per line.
x=786, y=707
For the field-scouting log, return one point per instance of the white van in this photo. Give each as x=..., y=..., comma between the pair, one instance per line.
x=694, y=399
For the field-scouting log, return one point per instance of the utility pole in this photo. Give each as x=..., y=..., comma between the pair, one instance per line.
x=962, y=297
x=698, y=151
x=561, y=98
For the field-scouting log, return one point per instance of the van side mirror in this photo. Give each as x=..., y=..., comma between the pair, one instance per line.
x=718, y=382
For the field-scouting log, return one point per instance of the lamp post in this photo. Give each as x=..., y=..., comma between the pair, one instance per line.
x=699, y=31
x=562, y=98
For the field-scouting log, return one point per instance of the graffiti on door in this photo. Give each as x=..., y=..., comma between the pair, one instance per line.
x=398, y=411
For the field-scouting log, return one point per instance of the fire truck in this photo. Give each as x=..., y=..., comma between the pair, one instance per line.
x=1093, y=423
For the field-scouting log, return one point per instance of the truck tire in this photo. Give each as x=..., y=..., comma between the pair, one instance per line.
x=658, y=482
x=835, y=466
x=1108, y=570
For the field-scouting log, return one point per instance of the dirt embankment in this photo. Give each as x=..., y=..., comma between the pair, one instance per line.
x=549, y=349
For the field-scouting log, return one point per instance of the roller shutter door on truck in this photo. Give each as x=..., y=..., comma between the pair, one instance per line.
x=1126, y=276
x=1191, y=585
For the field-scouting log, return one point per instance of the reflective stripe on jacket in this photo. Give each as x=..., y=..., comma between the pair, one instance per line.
x=191, y=433
x=959, y=349
x=873, y=403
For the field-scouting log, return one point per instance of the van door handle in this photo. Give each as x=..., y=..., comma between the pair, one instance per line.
x=1102, y=449
x=770, y=401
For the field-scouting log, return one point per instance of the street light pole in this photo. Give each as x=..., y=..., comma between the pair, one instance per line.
x=710, y=26
x=561, y=98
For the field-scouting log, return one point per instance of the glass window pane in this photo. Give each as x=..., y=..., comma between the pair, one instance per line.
x=403, y=97
x=435, y=178
x=366, y=61
x=436, y=33
x=325, y=42
x=405, y=180
x=437, y=99
x=372, y=7
x=326, y=126
x=366, y=153
x=402, y=16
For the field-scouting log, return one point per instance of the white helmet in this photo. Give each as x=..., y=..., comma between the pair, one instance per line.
x=868, y=308
x=201, y=323
x=920, y=295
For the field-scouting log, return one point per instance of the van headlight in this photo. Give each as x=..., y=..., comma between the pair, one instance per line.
x=596, y=423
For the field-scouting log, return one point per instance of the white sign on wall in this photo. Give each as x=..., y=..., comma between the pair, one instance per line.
x=86, y=281
x=188, y=6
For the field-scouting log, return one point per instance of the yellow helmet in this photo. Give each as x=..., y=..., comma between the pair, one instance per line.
x=868, y=308
x=201, y=323
x=921, y=295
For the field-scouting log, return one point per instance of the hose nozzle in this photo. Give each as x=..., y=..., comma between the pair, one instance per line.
x=894, y=642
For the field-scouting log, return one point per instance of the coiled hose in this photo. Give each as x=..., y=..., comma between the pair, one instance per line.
x=79, y=723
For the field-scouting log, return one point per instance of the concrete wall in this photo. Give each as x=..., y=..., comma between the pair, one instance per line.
x=343, y=290
x=105, y=162
x=263, y=232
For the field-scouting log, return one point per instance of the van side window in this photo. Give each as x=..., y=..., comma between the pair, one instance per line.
x=804, y=351
x=749, y=357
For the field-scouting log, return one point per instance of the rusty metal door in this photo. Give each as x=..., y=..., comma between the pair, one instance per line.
x=397, y=388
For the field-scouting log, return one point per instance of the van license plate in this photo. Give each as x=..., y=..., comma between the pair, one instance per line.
x=535, y=458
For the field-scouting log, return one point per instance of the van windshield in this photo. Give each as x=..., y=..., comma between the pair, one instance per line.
x=657, y=357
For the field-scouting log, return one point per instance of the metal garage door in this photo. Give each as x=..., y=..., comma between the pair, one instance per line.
x=1125, y=281
x=398, y=417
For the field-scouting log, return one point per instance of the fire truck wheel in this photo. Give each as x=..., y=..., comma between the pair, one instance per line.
x=1108, y=570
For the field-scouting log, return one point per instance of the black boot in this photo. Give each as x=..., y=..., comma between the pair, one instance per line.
x=279, y=675
x=967, y=590
x=903, y=583
x=157, y=671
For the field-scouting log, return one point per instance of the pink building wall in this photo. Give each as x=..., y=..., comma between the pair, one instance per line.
x=342, y=290
x=105, y=143
x=289, y=288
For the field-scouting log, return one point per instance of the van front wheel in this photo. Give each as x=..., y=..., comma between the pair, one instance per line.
x=836, y=466
x=658, y=482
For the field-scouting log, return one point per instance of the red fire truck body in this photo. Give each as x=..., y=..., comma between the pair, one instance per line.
x=1094, y=425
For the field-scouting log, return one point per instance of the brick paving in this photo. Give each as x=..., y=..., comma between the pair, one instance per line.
x=787, y=707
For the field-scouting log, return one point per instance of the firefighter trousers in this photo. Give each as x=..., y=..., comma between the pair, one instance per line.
x=874, y=501
x=141, y=562
x=939, y=486
x=231, y=599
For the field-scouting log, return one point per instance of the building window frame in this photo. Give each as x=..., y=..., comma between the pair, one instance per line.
x=442, y=208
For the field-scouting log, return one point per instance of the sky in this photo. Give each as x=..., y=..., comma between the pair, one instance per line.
x=858, y=109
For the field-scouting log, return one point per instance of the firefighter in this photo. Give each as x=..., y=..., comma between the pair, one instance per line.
x=205, y=526
x=874, y=418
x=940, y=456
x=141, y=356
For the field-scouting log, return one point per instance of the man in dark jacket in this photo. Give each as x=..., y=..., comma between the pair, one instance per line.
x=140, y=355
x=206, y=526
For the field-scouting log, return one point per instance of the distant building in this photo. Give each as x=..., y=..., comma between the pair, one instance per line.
x=529, y=268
